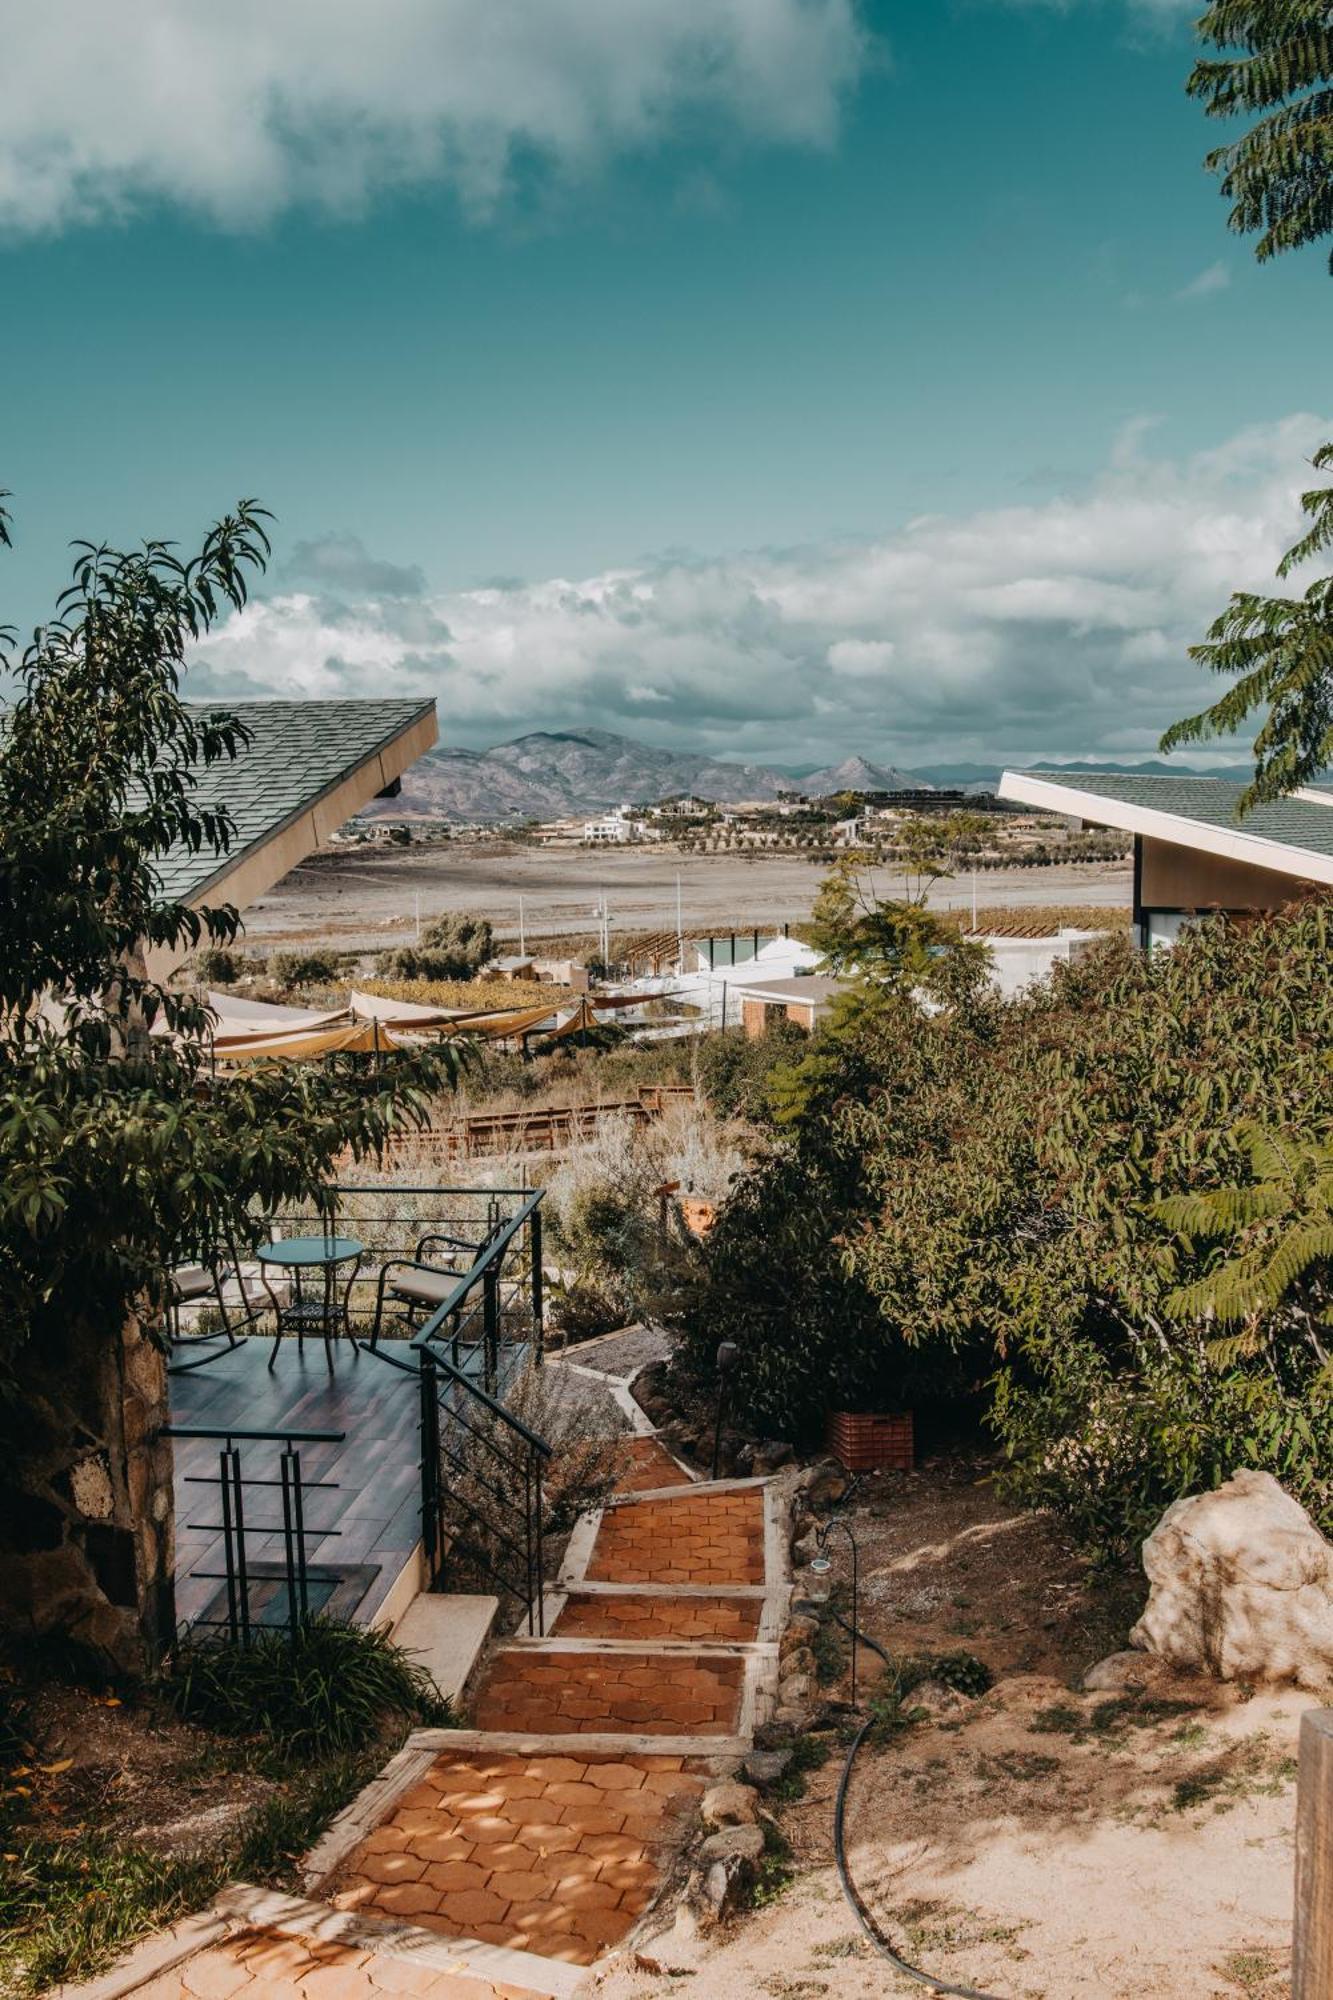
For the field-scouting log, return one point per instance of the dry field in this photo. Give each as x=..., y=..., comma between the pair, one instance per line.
x=362, y=899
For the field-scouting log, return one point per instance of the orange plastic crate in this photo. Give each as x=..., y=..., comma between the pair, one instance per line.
x=872, y=1443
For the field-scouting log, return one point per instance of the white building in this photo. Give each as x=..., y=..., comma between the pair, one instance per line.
x=615, y=828
x=686, y=808
x=1017, y=962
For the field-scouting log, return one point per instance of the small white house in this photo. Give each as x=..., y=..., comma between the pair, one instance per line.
x=614, y=829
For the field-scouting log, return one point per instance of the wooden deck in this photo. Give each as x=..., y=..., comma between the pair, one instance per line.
x=376, y=1505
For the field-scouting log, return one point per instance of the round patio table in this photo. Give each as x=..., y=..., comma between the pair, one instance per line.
x=326, y=1312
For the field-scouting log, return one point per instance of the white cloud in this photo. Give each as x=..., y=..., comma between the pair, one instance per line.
x=240, y=110
x=1053, y=629
x=1215, y=279
x=860, y=656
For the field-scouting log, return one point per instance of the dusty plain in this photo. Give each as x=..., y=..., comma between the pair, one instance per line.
x=359, y=899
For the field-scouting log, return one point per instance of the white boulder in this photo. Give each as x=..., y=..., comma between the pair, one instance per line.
x=1242, y=1586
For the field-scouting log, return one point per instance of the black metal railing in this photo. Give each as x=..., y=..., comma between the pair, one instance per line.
x=482, y=1507
x=258, y=1593
x=496, y=1304
x=482, y=1510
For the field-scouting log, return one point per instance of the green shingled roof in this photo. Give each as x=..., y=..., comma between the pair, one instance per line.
x=299, y=751
x=1208, y=802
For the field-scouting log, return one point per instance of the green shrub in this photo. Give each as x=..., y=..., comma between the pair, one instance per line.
x=455, y=946
x=304, y=968
x=329, y=1690
x=735, y=1068
x=963, y=1672
x=218, y=967
x=73, y=1898
x=582, y=1311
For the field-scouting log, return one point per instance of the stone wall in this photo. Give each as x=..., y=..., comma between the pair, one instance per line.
x=87, y=1543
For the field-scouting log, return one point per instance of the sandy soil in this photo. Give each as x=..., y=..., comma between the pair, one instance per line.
x=363, y=899
x=1038, y=1842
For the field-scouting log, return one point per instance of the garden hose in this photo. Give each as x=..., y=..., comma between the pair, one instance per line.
x=849, y=1888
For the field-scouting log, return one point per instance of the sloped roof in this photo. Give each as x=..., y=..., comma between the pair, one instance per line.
x=299, y=753
x=1292, y=836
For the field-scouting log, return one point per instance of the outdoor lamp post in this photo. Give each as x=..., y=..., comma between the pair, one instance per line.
x=821, y=1562
x=728, y=1354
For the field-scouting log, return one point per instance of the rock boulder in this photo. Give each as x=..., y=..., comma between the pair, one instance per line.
x=1242, y=1586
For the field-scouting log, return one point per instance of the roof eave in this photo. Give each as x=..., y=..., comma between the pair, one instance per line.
x=1229, y=844
x=387, y=767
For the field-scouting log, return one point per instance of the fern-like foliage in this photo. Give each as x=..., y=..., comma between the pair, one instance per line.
x=1271, y=1236
x=1276, y=60
x=1278, y=652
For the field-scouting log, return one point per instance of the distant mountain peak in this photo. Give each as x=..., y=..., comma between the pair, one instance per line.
x=858, y=774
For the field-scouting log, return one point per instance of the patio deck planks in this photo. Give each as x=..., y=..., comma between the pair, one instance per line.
x=376, y=1506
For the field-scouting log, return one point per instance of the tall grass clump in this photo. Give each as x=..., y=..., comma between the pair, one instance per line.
x=330, y=1690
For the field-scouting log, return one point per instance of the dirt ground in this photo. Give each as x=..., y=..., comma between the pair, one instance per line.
x=126, y=1768
x=363, y=899
x=1039, y=1842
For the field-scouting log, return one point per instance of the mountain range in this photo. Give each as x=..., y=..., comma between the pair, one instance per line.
x=552, y=774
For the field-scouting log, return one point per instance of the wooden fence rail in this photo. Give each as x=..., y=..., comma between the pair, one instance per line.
x=543, y=1129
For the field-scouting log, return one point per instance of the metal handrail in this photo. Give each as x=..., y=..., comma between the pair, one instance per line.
x=522, y=1543
x=465, y=1381
x=251, y=1437
x=232, y=1484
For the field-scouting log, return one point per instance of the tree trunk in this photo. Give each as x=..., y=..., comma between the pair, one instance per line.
x=87, y=1533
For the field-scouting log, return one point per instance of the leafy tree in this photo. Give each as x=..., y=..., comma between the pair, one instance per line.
x=902, y=944
x=992, y=1203
x=1279, y=654
x=1277, y=61
x=120, y=1151
x=304, y=968
x=1274, y=1233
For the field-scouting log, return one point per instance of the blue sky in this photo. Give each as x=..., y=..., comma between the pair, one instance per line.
x=591, y=382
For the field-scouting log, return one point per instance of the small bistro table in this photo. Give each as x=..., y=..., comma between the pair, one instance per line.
x=326, y=1312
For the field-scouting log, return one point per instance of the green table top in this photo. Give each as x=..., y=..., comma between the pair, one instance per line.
x=305, y=1251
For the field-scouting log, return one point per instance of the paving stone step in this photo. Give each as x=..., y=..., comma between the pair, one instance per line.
x=646, y=1464
x=707, y=1536
x=648, y=1694
x=263, y=1944
x=557, y=1855
x=602, y=1615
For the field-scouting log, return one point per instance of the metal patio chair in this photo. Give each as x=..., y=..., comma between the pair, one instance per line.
x=208, y=1282
x=411, y=1288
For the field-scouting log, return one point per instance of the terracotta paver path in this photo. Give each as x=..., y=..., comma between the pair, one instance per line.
x=648, y=1694
x=636, y=1619
x=645, y=1464
x=494, y=1862
x=274, y=1965
x=703, y=1538
x=509, y=1833
x=557, y=1855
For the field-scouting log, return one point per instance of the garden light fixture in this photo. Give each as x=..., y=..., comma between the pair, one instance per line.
x=821, y=1562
